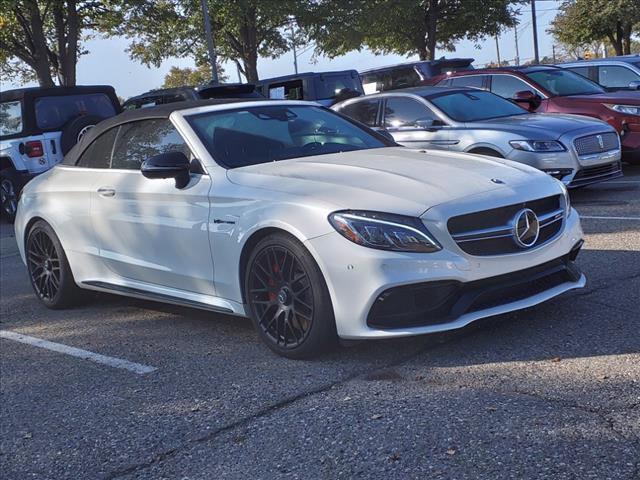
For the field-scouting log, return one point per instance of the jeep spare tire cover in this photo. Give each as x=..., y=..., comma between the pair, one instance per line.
x=75, y=128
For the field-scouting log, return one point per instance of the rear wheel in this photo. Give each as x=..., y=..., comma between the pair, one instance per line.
x=288, y=298
x=8, y=194
x=49, y=271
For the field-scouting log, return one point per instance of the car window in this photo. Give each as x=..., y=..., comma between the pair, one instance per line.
x=374, y=82
x=287, y=91
x=364, y=111
x=564, y=82
x=474, y=81
x=98, y=154
x=473, y=106
x=140, y=140
x=615, y=76
x=507, y=85
x=10, y=118
x=258, y=134
x=405, y=112
x=403, y=77
x=54, y=112
x=328, y=86
x=584, y=71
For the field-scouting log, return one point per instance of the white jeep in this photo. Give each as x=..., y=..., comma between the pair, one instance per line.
x=38, y=126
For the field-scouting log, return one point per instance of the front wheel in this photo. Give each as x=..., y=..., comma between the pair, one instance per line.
x=49, y=270
x=288, y=299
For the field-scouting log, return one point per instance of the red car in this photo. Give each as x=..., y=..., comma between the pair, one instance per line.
x=543, y=88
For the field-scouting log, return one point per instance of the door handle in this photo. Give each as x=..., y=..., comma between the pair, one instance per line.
x=106, y=192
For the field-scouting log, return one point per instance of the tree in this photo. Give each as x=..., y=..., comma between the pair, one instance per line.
x=178, y=77
x=584, y=22
x=42, y=39
x=244, y=30
x=405, y=27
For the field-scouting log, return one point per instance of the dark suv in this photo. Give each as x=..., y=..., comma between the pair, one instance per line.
x=182, y=94
x=411, y=74
x=38, y=126
x=549, y=89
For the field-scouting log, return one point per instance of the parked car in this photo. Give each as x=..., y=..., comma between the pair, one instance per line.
x=548, y=89
x=613, y=73
x=39, y=125
x=574, y=149
x=317, y=227
x=163, y=96
x=410, y=74
x=325, y=88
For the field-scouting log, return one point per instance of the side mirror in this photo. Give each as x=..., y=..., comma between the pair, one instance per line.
x=634, y=85
x=528, y=98
x=168, y=165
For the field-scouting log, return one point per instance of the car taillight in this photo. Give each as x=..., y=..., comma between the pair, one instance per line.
x=34, y=149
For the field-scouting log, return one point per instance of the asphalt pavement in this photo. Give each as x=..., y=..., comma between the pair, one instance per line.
x=551, y=392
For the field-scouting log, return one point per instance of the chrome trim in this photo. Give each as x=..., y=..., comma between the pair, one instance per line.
x=505, y=231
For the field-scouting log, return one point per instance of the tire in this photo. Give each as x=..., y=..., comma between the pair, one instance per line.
x=49, y=270
x=74, y=129
x=9, y=189
x=487, y=152
x=288, y=299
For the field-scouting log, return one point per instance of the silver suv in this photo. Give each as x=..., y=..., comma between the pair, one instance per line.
x=575, y=149
x=38, y=126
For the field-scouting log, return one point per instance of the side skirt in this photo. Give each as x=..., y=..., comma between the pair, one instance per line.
x=156, y=297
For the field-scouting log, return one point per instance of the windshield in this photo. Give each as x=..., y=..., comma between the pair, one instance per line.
x=53, y=113
x=251, y=135
x=564, y=82
x=474, y=106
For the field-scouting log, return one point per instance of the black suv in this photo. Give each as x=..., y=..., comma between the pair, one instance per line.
x=182, y=94
x=38, y=126
x=411, y=74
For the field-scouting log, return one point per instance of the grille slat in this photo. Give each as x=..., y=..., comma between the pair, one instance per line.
x=591, y=143
x=487, y=232
x=588, y=175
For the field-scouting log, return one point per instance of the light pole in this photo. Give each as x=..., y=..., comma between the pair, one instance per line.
x=293, y=45
x=536, y=54
x=210, y=45
x=515, y=31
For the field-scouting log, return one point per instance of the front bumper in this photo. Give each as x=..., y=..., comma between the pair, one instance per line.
x=358, y=277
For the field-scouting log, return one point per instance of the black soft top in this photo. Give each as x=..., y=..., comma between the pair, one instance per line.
x=160, y=111
x=33, y=92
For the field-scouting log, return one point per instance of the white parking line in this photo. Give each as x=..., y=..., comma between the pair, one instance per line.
x=597, y=217
x=77, y=352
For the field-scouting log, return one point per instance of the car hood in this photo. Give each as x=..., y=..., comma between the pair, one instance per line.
x=393, y=179
x=624, y=97
x=540, y=126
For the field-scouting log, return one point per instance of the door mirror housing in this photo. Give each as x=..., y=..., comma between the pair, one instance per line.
x=527, y=99
x=634, y=85
x=172, y=164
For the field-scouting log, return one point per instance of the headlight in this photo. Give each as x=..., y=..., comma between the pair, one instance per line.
x=626, y=109
x=537, y=145
x=384, y=231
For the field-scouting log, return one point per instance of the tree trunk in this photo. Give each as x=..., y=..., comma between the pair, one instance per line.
x=66, y=24
x=431, y=33
x=251, y=67
x=39, y=44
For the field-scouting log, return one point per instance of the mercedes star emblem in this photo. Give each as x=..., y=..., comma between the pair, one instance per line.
x=526, y=228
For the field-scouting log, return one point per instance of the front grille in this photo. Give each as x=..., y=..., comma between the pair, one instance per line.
x=491, y=232
x=597, y=173
x=444, y=301
x=591, y=143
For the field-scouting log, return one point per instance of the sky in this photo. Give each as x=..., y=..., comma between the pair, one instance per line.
x=108, y=62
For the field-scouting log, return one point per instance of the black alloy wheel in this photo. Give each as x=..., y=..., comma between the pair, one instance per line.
x=44, y=265
x=49, y=270
x=8, y=196
x=288, y=299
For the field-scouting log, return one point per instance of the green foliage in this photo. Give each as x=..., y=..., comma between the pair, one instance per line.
x=178, y=77
x=582, y=23
x=42, y=39
x=243, y=30
x=405, y=27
